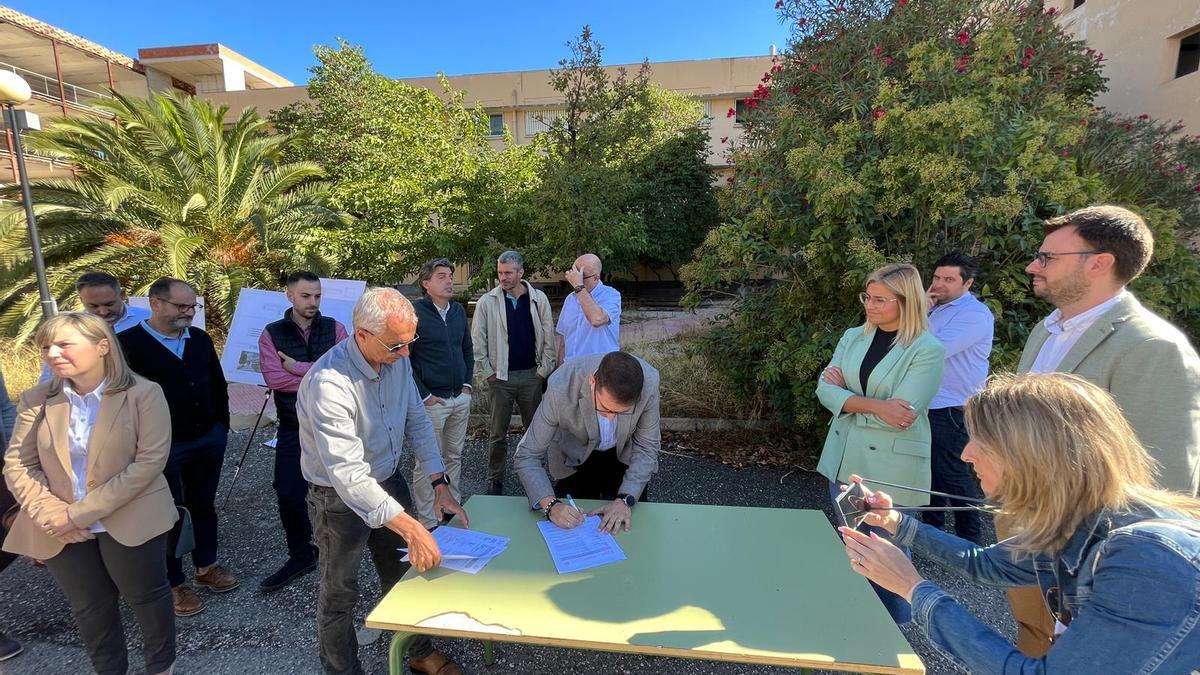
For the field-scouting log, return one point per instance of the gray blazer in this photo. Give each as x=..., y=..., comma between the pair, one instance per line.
x=1153, y=372
x=564, y=431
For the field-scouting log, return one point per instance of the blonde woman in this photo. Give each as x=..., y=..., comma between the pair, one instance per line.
x=878, y=387
x=1117, y=559
x=85, y=464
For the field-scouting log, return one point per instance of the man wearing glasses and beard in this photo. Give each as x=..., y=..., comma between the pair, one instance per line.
x=168, y=350
x=597, y=433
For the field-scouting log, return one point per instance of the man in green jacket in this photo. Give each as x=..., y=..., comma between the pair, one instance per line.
x=1100, y=332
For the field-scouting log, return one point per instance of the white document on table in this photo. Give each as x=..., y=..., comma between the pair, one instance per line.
x=466, y=550
x=581, y=547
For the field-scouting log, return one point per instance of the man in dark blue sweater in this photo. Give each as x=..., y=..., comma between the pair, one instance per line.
x=443, y=363
x=169, y=350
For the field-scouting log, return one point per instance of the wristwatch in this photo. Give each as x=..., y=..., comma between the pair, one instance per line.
x=629, y=500
x=580, y=288
x=441, y=480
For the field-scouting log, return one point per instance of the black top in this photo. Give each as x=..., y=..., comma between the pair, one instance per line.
x=522, y=343
x=881, y=344
x=443, y=359
x=289, y=339
x=194, y=386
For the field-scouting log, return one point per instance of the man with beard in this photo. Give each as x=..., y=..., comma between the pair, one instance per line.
x=287, y=349
x=1100, y=332
x=512, y=335
x=168, y=350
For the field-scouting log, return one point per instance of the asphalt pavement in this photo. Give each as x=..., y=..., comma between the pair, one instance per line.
x=245, y=632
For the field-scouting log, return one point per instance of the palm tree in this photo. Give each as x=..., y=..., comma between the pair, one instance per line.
x=165, y=190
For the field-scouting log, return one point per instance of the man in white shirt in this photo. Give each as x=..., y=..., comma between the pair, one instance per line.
x=101, y=295
x=1100, y=332
x=590, y=321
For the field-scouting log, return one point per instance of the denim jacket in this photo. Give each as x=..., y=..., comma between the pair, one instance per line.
x=1130, y=581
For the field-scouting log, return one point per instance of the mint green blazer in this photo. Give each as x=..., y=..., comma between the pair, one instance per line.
x=865, y=444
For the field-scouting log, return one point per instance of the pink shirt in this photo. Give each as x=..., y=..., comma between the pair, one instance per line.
x=273, y=372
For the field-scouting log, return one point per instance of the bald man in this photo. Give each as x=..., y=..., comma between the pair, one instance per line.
x=590, y=321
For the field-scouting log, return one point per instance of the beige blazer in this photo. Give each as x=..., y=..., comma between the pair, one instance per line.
x=1153, y=373
x=489, y=334
x=127, y=451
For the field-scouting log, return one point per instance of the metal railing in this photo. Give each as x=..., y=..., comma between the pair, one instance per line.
x=48, y=87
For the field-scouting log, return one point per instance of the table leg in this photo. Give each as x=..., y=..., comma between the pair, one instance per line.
x=397, y=649
x=489, y=655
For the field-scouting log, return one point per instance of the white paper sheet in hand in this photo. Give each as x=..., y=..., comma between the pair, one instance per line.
x=466, y=550
x=582, y=547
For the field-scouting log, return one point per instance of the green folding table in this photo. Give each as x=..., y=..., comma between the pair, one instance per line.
x=747, y=585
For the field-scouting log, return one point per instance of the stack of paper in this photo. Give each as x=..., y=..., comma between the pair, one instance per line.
x=465, y=550
x=581, y=547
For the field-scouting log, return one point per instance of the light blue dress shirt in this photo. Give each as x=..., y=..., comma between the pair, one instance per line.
x=580, y=337
x=965, y=327
x=353, y=426
x=175, y=345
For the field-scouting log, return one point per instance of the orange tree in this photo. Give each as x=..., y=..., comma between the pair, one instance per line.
x=899, y=130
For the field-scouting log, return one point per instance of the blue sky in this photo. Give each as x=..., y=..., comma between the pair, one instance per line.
x=407, y=38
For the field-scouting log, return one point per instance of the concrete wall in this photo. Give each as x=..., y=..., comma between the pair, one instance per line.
x=1140, y=43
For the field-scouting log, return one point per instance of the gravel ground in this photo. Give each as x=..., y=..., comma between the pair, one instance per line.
x=245, y=632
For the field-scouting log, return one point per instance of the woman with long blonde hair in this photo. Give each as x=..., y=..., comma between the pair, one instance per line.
x=1117, y=558
x=878, y=386
x=85, y=464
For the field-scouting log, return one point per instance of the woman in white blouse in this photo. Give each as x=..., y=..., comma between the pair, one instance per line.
x=85, y=464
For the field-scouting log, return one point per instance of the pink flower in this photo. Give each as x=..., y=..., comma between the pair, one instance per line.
x=1197, y=187
x=796, y=90
x=776, y=68
x=1143, y=116
x=1064, y=153
x=1030, y=52
x=887, y=60
x=1052, y=11
x=814, y=68
x=901, y=3
x=878, y=51
x=963, y=38
x=731, y=113
x=961, y=64
x=1025, y=64
x=880, y=113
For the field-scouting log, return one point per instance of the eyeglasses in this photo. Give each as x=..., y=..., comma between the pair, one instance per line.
x=1054, y=602
x=591, y=276
x=1043, y=258
x=184, y=308
x=392, y=349
x=606, y=411
x=868, y=299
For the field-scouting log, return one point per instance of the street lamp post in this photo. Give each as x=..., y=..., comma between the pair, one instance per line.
x=13, y=91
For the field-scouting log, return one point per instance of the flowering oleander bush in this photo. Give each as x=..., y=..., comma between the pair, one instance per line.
x=900, y=130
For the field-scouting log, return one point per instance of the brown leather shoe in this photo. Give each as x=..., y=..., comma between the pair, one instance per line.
x=186, y=601
x=434, y=663
x=216, y=579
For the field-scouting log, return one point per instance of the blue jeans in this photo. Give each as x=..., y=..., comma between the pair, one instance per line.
x=897, y=606
x=952, y=475
x=193, y=471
